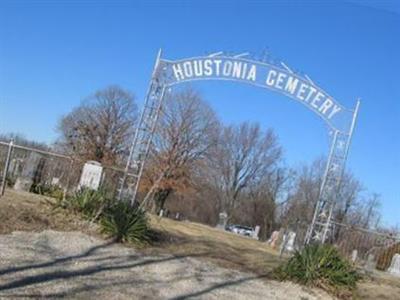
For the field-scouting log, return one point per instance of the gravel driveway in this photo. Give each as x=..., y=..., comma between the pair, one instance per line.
x=73, y=265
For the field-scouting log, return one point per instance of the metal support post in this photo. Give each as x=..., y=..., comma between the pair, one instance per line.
x=6, y=167
x=136, y=136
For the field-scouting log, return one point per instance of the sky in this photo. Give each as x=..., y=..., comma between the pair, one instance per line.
x=54, y=54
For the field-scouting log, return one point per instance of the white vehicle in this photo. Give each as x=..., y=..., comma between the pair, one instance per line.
x=240, y=229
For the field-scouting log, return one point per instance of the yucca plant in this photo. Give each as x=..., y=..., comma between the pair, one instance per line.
x=321, y=266
x=89, y=202
x=126, y=223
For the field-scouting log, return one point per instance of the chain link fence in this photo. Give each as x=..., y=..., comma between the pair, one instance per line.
x=369, y=250
x=49, y=173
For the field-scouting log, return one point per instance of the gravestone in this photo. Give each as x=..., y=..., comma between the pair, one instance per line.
x=273, y=239
x=394, y=268
x=91, y=175
x=291, y=237
x=15, y=165
x=370, y=264
x=222, y=220
x=55, y=181
x=354, y=255
x=29, y=172
x=287, y=244
x=256, y=232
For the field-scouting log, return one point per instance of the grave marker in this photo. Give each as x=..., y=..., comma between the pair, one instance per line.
x=394, y=268
x=91, y=175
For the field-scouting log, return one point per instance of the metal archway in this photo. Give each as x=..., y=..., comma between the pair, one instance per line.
x=276, y=77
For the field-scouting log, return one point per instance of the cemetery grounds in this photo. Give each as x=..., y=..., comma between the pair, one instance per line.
x=46, y=253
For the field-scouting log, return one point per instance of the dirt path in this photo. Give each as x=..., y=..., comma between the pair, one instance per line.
x=53, y=264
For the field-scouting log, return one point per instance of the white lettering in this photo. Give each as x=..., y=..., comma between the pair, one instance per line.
x=301, y=91
x=207, y=67
x=187, y=68
x=217, y=66
x=227, y=70
x=244, y=71
x=271, y=78
x=177, y=71
x=317, y=99
x=252, y=73
x=279, y=81
x=312, y=92
x=334, y=111
x=198, y=68
x=325, y=106
x=291, y=84
x=237, y=69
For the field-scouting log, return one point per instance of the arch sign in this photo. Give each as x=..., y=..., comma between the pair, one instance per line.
x=276, y=77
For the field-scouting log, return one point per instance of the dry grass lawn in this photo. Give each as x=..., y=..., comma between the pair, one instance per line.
x=29, y=212
x=224, y=248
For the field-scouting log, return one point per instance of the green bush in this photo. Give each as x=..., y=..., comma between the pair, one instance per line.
x=126, y=223
x=321, y=266
x=11, y=182
x=89, y=202
x=49, y=190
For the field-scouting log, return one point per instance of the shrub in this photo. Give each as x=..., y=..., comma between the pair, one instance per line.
x=49, y=190
x=321, y=266
x=126, y=223
x=11, y=182
x=89, y=202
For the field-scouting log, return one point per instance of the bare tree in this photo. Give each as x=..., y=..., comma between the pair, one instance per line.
x=302, y=199
x=101, y=127
x=348, y=195
x=371, y=211
x=244, y=155
x=186, y=131
x=259, y=201
x=21, y=140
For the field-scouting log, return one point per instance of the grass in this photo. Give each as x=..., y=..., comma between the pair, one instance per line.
x=22, y=211
x=31, y=212
x=223, y=248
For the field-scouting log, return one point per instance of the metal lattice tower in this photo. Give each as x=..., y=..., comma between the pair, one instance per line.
x=321, y=224
x=145, y=130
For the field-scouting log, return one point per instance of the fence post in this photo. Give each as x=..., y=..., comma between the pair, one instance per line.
x=6, y=166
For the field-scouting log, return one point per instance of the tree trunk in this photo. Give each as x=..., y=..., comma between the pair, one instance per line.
x=160, y=196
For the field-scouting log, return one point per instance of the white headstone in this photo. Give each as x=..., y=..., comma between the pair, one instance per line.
x=291, y=237
x=371, y=264
x=223, y=219
x=394, y=268
x=91, y=175
x=287, y=244
x=354, y=255
x=55, y=181
x=256, y=232
x=273, y=239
